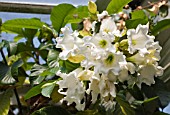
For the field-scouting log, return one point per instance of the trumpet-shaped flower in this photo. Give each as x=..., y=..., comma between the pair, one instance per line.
x=147, y=73
x=75, y=89
x=110, y=62
x=138, y=39
x=69, y=43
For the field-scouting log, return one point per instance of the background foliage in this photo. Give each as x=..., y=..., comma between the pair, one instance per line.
x=39, y=75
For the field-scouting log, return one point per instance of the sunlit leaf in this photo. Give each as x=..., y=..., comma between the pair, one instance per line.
x=77, y=15
x=58, y=15
x=22, y=23
x=34, y=91
x=47, y=89
x=5, y=102
x=116, y=6
x=160, y=26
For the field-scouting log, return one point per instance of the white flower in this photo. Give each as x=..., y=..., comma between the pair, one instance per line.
x=138, y=39
x=149, y=56
x=147, y=73
x=69, y=43
x=75, y=89
x=94, y=87
x=110, y=62
x=106, y=87
x=102, y=15
x=108, y=25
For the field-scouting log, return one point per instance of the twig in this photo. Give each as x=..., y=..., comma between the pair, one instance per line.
x=18, y=101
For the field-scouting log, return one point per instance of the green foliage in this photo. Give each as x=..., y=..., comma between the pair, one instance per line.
x=34, y=91
x=116, y=6
x=137, y=17
x=5, y=102
x=21, y=23
x=124, y=105
x=17, y=71
x=58, y=15
x=51, y=110
x=160, y=26
x=77, y=15
x=47, y=89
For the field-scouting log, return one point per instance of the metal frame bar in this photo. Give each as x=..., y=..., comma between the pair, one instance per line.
x=26, y=7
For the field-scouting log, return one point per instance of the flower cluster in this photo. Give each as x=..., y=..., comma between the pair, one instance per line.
x=107, y=57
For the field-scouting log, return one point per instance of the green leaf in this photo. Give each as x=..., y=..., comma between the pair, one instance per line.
x=138, y=17
x=136, y=92
x=12, y=48
x=138, y=14
x=37, y=70
x=23, y=23
x=56, y=97
x=124, y=105
x=15, y=66
x=116, y=6
x=158, y=89
x=11, y=29
x=88, y=112
x=47, y=89
x=5, y=74
x=34, y=91
x=51, y=110
x=160, y=26
x=77, y=15
x=67, y=66
x=29, y=33
x=58, y=15
x=5, y=102
x=102, y=4
x=134, y=23
x=52, y=55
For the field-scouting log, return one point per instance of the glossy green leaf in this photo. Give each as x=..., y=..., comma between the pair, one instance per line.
x=5, y=74
x=138, y=14
x=124, y=105
x=52, y=55
x=23, y=23
x=134, y=23
x=116, y=6
x=15, y=66
x=58, y=15
x=77, y=15
x=158, y=89
x=67, y=66
x=11, y=29
x=5, y=102
x=51, y=110
x=47, y=89
x=160, y=26
x=34, y=91
x=137, y=17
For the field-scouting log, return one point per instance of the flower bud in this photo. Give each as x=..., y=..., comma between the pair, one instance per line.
x=92, y=7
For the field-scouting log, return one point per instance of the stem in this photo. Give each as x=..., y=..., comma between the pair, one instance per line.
x=18, y=101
